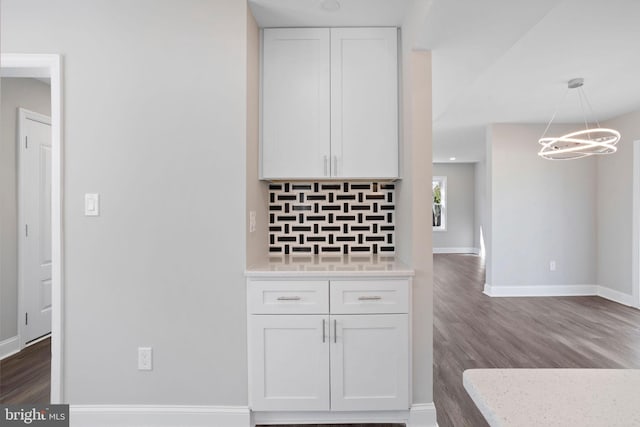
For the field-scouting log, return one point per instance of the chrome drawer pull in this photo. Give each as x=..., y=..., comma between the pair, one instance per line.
x=335, y=331
x=289, y=298
x=374, y=298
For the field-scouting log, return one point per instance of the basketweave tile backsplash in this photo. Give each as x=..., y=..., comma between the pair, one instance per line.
x=331, y=218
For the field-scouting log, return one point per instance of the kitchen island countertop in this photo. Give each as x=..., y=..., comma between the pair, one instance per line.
x=556, y=397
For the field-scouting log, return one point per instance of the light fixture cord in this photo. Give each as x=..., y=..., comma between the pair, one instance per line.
x=584, y=113
x=586, y=100
x=554, y=113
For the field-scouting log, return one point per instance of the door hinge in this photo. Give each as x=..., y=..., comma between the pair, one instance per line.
x=26, y=230
x=26, y=318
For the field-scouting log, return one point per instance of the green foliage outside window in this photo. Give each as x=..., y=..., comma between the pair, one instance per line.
x=437, y=194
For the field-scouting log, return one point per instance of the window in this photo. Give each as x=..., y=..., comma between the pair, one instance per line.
x=439, y=206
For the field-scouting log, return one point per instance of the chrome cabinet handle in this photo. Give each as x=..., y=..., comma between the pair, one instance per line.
x=372, y=298
x=289, y=298
x=325, y=164
x=335, y=331
x=324, y=335
x=335, y=166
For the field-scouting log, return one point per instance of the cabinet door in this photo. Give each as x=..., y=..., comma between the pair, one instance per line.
x=364, y=102
x=289, y=362
x=369, y=362
x=295, y=103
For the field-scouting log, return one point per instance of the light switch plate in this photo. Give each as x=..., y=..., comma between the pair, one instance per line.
x=91, y=204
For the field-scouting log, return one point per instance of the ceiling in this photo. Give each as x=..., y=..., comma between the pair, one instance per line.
x=309, y=13
x=502, y=61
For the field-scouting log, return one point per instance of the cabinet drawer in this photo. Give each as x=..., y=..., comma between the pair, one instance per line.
x=288, y=297
x=369, y=296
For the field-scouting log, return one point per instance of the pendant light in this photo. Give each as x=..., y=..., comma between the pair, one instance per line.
x=581, y=143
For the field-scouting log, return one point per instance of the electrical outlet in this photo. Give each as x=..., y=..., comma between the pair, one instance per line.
x=552, y=266
x=145, y=358
x=252, y=221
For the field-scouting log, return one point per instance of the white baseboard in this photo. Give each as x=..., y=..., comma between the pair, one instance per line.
x=540, y=291
x=559, y=290
x=9, y=347
x=158, y=416
x=328, y=417
x=475, y=251
x=422, y=415
x=615, y=296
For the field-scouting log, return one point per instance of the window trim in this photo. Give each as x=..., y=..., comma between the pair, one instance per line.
x=442, y=181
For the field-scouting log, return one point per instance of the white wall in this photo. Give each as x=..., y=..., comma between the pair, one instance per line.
x=615, y=206
x=480, y=214
x=540, y=211
x=257, y=197
x=155, y=121
x=460, y=207
x=15, y=93
x=487, y=213
x=413, y=203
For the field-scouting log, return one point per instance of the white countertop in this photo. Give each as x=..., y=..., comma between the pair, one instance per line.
x=556, y=397
x=331, y=266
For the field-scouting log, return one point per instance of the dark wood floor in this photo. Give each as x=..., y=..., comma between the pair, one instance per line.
x=472, y=330
x=26, y=377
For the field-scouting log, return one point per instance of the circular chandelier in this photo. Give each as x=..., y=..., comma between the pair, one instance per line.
x=582, y=143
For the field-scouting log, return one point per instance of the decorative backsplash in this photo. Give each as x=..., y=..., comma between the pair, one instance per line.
x=323, y=218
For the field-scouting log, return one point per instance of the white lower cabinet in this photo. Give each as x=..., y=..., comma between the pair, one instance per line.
x=369, y=362
x=289, y=362
x=325, y=361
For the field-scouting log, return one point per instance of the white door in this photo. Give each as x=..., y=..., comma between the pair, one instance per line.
x=35, y=225
x=364, y=102
x=289, y=362
x=295, y=103
x=369, y=362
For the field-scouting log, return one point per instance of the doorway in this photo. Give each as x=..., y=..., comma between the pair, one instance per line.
x=46, y=66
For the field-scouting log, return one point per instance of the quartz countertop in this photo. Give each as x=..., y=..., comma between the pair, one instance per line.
x=556, y=397
x=330, y=266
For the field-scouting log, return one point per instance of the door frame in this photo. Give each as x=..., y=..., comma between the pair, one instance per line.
x=635, y=253
x=49, y=66
x=23, y=116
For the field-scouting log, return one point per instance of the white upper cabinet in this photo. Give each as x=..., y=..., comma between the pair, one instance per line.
x=329, y=103
x=364, y=102
x=295, y=103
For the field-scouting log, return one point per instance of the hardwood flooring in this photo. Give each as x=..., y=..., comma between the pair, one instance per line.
x=472, y=330
x=25, y=377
